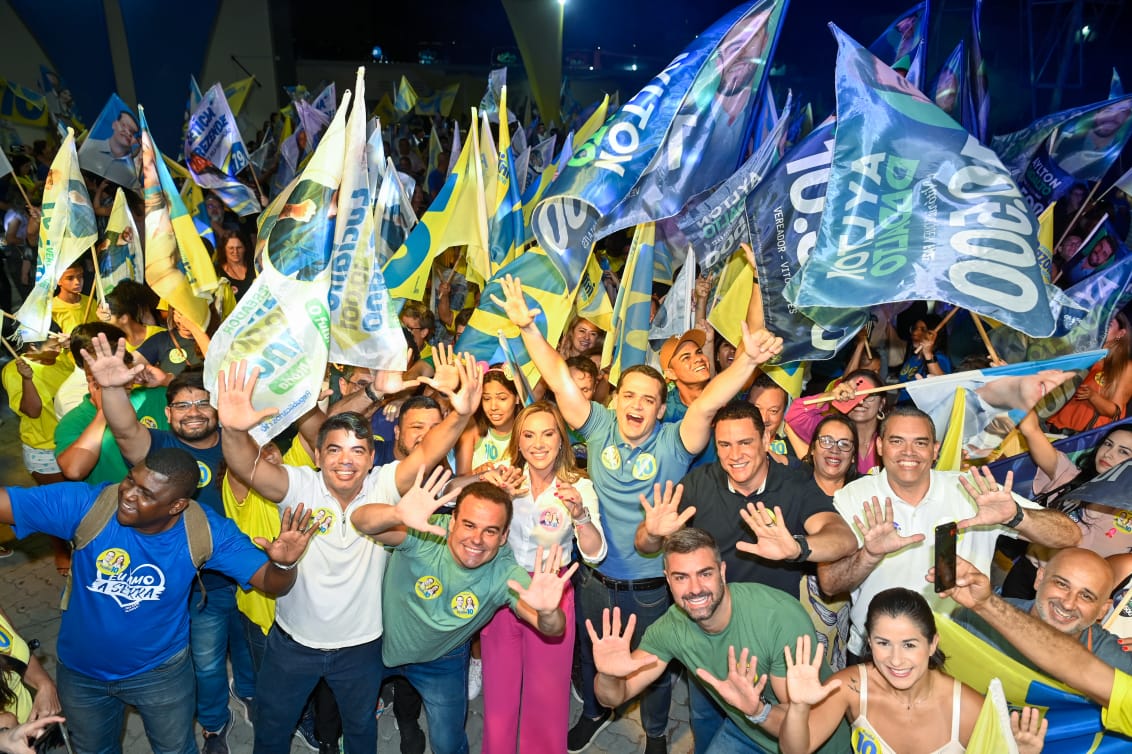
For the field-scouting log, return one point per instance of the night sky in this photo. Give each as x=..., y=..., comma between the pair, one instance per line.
x=651, y=33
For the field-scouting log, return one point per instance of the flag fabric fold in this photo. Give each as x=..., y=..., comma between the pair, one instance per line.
x=628, y=343
x=215, y=153
x=903, y=45
x=120, y=250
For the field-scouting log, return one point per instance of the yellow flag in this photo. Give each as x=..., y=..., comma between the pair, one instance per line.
x=593, y=123
x=237, y=92
x=951, y=449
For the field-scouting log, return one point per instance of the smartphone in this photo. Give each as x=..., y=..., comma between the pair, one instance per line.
x=945, y=536
x=53, y=739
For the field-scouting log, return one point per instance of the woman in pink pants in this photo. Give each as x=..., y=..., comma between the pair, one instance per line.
x=526, y=676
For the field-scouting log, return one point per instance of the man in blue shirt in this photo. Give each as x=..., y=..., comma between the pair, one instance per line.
x=124, y=638
x=629, y=452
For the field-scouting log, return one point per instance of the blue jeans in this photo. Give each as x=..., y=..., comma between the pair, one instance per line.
x=443, y=686
x=163, y=696
x=214, y=628
x=704, y=715
x=591, y=597
x=290, y=672
x=730, y=739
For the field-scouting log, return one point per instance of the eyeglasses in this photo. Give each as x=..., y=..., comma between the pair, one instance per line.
x=363, y=384
x=186, y=405
x=828, y=441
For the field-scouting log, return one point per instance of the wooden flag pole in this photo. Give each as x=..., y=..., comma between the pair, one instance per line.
x=986, y=340
x=827, y=397
x=1080, y=211
x=98, y=286
x=943, y=323
x=255, y=179
x=23, y=193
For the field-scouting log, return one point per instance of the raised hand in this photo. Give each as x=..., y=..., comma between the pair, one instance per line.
x=546, y=587
x=16, y=739
x=514, y=304
x=447, y=377
x=295, y=531
x=741, y=687
x=612, y=655
x=996, y=503
x=774, y=541
x=879, y=531
x=803, y=677
x=972, y=587
x=507, y=478
x=234, y=390
x=387, y=382
x=761, y=346
x=1029, y=729
x=108, y=365
x=664, y=518
x=422, y=500
x=466, y=400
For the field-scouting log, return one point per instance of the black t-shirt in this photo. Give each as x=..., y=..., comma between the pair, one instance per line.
x=717, y=512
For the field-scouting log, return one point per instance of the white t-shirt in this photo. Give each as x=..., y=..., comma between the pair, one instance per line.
x=336, y=599
x=545, y=521
x=944, y=502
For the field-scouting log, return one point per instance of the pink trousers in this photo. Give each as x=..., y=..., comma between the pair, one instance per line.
x=526, y=683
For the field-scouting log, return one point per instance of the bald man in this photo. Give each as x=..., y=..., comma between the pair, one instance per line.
x=1073, y=593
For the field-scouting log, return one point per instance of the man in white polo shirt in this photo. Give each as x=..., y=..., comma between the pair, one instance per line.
x=330, y=625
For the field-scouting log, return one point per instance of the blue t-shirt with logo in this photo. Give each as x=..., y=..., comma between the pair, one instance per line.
x=621, y=474
x=129, y=607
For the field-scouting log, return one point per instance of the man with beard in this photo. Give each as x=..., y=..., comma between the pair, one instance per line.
x=719, y=631
x=1072, y=596
x=193, y=428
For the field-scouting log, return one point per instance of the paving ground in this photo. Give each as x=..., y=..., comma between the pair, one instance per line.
x=30, y=589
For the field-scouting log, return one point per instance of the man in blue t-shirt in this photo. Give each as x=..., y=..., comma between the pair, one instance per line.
x=124, y=638
x=629, y=452
x=193, y=428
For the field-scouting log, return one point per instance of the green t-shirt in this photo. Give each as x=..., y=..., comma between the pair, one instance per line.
x=149, y=404
x=431, y=604
x=763, y=620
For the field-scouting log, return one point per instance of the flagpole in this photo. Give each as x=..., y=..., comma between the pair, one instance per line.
x=942, y=323
x=23, y=193
x=98, y=287
x=1080, y=211
x=983, y=334
x=827, y=397
x=259, y=188
x=11, y=350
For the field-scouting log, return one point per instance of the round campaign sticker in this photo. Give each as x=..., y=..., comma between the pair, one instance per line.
x=428, y=587
x=465, y=605
x=112, y=562
x=611, y=458
x=205, y=475
x=325, y=518
x=177, y=355
x=148, y=422
x=644, y=467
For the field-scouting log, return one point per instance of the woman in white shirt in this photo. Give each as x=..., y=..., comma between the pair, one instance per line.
x=526, y=676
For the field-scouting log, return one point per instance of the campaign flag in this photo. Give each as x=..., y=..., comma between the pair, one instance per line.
x=676, y=315
x=996, y=398
x=433, y=151
x=980, y=87
x=327, y=102
x=5, y=165
x=375, y=155
x=592, y=299
x=457, y=216
x=1124, y=182
x=489, y=159
x=490, y=102
x=261, y=154
x=237, y=93
x=67, y=229
x=513, y=371
x=1086, y=146
x=628, y=343
x=541, y=288
x=60, y=101
x=904, y=44
x=505, y=229
x=177, y=266
x=120, y=250
x=364, y=327
x=282, y=324
x=768, y=118
x=992, y=731
x=454, y=149
x=406, y=99
x=313, y=122
x=1109, y=488
x=21, y=105
x=1074, y=721
x=569, y=107
x=593, y=122
x=111, y=146
x=522, y=158
x=685, y=131
x=215, y=153
x=916, y=208
x=1099, y=251
x=385, y=110
x=437, y=103
x=952, y=89
x=393, y=216
x=1115, y=86
x=1043, y=181
x=1046, y=242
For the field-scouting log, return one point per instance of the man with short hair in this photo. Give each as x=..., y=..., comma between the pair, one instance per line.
x=731, y=636
x=770, y=399
x=1073, y=590
x=124, y=638
x=331, y=624
x=775, y=501
x=685, y=366
x=445, y=584
x=1052, y=651
x=629, y=450
x=916, y=499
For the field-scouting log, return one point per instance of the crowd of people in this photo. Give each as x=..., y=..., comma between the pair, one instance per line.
x=426, y=535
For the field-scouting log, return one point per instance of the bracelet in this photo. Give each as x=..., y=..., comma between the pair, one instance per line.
x=1019, y=512
x=581, y=521
x=372, y=394
x=282, y=567
x=932, y=360
x=763, y=714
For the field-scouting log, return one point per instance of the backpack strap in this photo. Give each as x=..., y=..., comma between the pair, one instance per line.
x=199, y=535
x=90, y=526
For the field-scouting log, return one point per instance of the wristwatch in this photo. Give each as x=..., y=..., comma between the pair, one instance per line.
x=763, y=714
x=804, y=553
x=372, y=394
x=1019, y=513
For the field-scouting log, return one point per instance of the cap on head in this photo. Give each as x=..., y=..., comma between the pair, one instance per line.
x=668, y=350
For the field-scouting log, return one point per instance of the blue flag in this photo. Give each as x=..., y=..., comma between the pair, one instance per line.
x=679, y=135
x=215, y=152
x=980, y=88
x=917, y=209
x=904, y=44
x=952, y=89
x=1086, y=146
x=628, y=343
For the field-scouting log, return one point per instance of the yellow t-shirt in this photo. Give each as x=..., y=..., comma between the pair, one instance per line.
x=40, y=431
x=150, y=331
x=12, y=645
x=70, y=316
x=1117, y=716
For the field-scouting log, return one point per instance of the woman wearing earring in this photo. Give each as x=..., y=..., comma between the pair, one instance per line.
x=865, y=413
